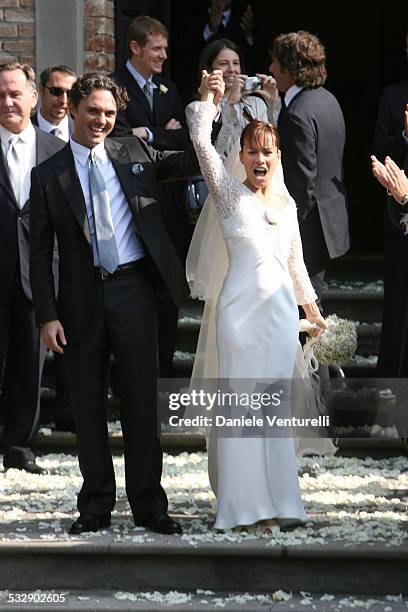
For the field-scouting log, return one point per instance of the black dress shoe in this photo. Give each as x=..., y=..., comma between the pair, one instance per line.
x=160, y=523
x=90, y=522
x=28, y=466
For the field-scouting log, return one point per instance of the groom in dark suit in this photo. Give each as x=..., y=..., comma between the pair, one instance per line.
x=312, y=137
x=21, y=353
x=100, y=197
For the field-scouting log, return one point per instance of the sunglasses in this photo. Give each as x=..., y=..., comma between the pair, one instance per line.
x=57, y=91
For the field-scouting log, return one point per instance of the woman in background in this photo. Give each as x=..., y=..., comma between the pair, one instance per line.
x=238, y=105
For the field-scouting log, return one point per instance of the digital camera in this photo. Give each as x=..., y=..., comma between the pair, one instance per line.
x=252, y=84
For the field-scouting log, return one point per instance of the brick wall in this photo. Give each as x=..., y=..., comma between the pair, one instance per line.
x=99, y=35
x=17, y=31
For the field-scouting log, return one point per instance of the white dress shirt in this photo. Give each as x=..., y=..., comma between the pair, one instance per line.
x=26, y=148
x=128, y=244
x=141, y=81
x=46, y=126
x=291, y=93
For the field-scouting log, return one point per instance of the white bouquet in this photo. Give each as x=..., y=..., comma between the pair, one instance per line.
x=336, y=345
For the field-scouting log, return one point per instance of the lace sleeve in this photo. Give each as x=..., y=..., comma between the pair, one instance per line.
x=220, y=184
x=302, y=286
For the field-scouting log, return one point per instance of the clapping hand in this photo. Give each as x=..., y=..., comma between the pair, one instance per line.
x=217, y=7
x=247, y=21
x=390, y=176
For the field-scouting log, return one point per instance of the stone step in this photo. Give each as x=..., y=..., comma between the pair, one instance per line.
x=356, y=267
x=81, y=600
x=354, y=304
x=103, y=563
x=50, y=441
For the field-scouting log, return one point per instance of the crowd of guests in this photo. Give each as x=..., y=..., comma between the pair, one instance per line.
x=65, y=288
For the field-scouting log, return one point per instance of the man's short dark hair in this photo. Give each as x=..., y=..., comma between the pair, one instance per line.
x=45, y=74
x=142, y=27
x=303, y=55
x=89, y=81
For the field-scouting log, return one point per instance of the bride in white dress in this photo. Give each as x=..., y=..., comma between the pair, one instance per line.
x=257, y=314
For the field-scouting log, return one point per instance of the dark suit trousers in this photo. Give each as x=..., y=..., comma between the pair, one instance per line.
x=315, y=253
x=23, y=355
x=124, y=321
x=395, y=311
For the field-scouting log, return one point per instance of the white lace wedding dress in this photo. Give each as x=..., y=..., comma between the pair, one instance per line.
x=257, y=335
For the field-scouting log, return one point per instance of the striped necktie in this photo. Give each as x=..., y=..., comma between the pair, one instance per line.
x=148, y=91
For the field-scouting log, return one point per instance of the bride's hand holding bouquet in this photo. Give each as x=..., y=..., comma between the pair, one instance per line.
x=317, y=323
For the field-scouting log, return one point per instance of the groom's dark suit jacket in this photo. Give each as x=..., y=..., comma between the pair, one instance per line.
x=312, y=138
x=58, y=204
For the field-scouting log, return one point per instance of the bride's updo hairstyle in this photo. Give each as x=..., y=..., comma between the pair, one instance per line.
x=258, y=131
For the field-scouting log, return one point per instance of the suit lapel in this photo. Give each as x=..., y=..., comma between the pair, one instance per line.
x=5, y=181
x=68, y=179
x=158, y=103
x=134, y=89
x=119, y=156
x=43, y=147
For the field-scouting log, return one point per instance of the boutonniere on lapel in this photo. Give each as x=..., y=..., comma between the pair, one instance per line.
x=163, y=89
x=137, y=169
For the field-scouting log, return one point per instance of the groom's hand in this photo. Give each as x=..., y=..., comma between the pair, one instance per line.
x=52, y=334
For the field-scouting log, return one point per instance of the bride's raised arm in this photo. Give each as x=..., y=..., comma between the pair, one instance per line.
x=200, y=116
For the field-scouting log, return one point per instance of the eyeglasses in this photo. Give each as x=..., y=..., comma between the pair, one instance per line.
x=57, y=91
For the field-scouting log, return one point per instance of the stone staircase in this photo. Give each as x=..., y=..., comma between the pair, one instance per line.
x=116, y=568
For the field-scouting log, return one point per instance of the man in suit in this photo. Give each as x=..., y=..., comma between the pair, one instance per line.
x=22, y=147
x=156, y=115
x=52, y=117
x=100, y=197
x=394, y=179
x=391, y=138
x=312, y=137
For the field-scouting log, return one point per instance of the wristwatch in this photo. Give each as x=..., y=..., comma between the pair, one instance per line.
x=404, y=200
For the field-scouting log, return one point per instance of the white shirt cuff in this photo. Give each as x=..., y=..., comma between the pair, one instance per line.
x=207, y=33
x=149, y=135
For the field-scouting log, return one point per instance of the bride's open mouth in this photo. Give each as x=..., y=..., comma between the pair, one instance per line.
x=260, y=172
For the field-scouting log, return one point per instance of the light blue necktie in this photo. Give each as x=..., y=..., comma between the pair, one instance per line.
x=104, y=229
